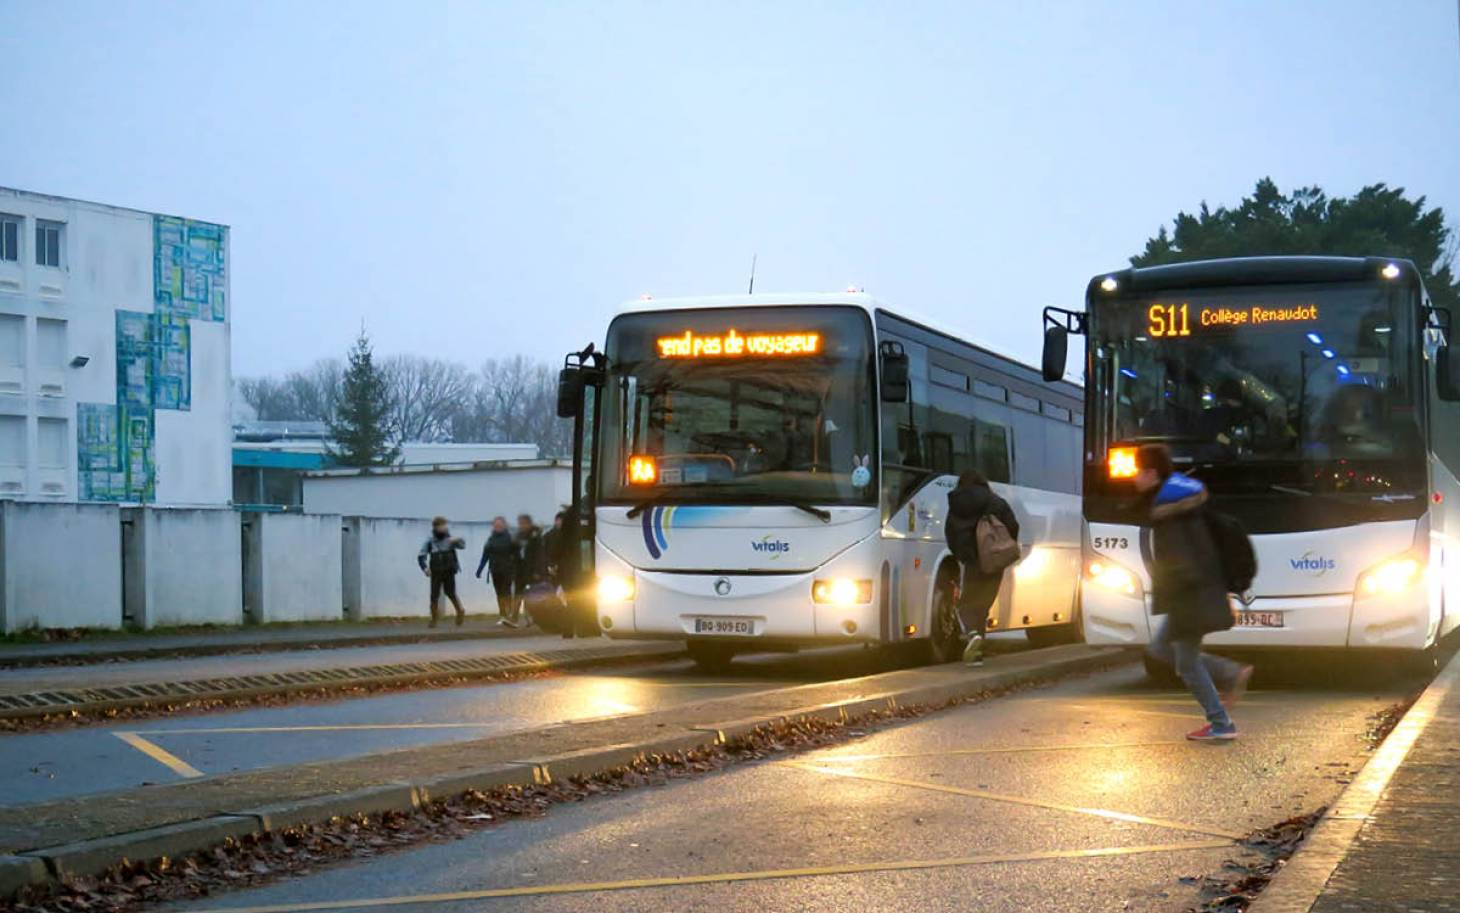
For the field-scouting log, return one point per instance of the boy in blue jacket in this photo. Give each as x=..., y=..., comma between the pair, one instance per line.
x=1187, y=587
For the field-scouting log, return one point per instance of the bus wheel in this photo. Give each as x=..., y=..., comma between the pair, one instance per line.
x=710, y=657
x=945, y=640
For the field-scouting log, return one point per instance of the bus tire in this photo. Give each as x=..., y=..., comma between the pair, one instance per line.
x=944, y=643
x=710, y=657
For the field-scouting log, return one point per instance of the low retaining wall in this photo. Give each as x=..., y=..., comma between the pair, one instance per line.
x=181, y=567
x=291, y=567
x=61, y=566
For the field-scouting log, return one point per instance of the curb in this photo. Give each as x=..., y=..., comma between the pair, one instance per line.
x=29, y=705
x=93, y=857
x=1301, y=882
x=13, y=658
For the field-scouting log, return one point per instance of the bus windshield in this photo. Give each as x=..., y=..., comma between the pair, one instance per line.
x=743, y=405
x=1290, y=389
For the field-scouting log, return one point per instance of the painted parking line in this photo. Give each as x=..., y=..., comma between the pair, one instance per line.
x=161, y=755
x=1015, y=749
x=1108, y=814
x=721, y=878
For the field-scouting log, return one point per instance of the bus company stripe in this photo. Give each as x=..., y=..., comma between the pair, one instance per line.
x=650, y=540
x=661, y=524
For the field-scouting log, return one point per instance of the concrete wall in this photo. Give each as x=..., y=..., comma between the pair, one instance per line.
x=291, y=567
x=466, y=494
x=182, y=567
x=61, y=566
x=382, y=580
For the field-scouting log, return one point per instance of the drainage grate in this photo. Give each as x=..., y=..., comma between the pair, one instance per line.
x=42, y=702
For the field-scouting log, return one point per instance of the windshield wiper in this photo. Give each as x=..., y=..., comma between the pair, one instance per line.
x=1291, y=491
x=643, y=506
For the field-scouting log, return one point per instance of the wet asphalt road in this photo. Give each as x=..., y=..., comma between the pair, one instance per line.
x=46, y=765
x=1079, y=797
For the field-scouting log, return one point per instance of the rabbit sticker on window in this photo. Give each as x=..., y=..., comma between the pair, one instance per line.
x=862, y=471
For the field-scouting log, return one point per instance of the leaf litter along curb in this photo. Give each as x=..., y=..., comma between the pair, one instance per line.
x=262, y=858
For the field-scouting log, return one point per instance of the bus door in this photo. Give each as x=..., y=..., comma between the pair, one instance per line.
x=580, y=397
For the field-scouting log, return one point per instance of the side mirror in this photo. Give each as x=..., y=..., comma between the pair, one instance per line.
x=1447, y=373
x=894, y=372
x=570, y=392
x=1056, y=352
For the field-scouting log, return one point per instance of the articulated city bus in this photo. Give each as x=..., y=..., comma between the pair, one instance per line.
x=766, y=472
x=1316, y=398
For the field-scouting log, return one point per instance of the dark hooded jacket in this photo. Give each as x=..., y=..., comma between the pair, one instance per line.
x=1186, y=570
x=499, y=551
x=966, y=505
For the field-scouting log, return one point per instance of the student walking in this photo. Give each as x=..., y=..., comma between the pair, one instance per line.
x=499, y=558
x=1189, y=589
x=438, y=561
x=970, y=503
x=531, y=555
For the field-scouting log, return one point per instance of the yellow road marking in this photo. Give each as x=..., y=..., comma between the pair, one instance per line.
x=1106, y=813
x=720, y=878
x=178, y=765
x=1010, y=750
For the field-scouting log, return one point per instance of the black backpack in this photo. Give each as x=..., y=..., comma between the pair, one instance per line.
x=1234, y=551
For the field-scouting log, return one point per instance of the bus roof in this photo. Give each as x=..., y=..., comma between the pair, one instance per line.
x=1250, y=271
x=812, y=299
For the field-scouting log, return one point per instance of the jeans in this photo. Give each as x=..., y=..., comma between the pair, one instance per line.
x=444, y=583
x=1199, y=670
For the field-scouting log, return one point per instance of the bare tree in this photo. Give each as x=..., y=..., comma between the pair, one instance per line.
x=514, y=401
x=308, y=395
x=426, y=394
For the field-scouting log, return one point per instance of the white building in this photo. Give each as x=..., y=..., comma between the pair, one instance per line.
x=114, y=354
x=472, y=492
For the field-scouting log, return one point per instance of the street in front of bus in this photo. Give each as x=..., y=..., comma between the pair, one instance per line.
x=1081, y=796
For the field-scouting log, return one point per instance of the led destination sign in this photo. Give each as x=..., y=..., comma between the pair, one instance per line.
x=734, y=344
x=1164, y=321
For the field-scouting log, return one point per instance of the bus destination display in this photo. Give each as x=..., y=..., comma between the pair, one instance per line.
x=1166, y=321
x=734, y=344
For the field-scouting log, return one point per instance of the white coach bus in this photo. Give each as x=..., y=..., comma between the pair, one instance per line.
x=766, y=472
x=1316, y=398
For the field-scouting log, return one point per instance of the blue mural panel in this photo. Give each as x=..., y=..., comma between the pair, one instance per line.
x=189, y=273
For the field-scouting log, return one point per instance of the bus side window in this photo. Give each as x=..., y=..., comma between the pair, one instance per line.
x=991, y=450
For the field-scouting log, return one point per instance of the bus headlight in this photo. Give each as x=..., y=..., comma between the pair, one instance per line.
x=615, y=588
x=841, y=591
x=1391, y=577
x=1107, y=575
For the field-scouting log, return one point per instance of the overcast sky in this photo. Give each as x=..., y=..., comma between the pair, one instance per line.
x=484, y=179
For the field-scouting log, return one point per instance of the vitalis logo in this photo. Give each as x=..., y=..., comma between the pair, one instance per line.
x=769, y=544
x=1317, y=565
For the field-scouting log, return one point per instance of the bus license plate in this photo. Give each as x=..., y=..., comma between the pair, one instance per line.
x=1259, y=619
x=704, y=624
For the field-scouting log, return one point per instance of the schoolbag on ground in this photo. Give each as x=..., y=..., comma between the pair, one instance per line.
x=1234, y=551
x=997, y=549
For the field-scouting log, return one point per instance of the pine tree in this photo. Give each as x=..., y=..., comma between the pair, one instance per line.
x=360, y=431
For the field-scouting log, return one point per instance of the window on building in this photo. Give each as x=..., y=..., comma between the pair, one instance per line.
x=50, y=443
x=50, y=343
x=48, y=242
x=9, y=237
x=12, y=440
x=12, y=340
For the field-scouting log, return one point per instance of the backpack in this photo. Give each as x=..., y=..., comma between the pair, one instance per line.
x=997, y=549
x=1234, y=551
